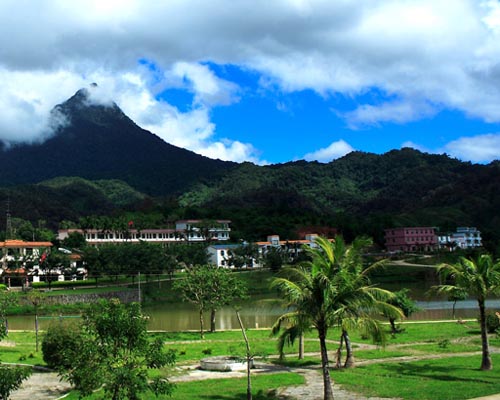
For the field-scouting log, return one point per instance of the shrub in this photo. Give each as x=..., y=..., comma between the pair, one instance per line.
x=492, y=323
x=60, y=342
x=11, y=379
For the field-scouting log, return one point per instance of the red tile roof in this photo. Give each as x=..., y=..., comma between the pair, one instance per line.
x=18, y=244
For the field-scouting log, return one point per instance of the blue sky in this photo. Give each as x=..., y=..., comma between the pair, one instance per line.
x=260, y=81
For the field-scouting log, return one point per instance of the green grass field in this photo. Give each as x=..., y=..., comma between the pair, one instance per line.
x=454, y=375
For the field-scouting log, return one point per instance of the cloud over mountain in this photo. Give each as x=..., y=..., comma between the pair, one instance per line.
x=420, y=56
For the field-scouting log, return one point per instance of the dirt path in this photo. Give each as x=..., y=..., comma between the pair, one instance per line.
x=41, y=386
x=313, y=389
x=47, y=385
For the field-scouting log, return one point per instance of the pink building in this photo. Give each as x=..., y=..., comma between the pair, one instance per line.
x=411, y=239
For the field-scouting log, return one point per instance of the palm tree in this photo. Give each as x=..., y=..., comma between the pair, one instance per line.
x=332, y=288
x=480, y=278
x=308, y=291
x=356, y=302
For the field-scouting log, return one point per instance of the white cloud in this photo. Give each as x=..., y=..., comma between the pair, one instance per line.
x=416, y=146
x=208, y=88
x=480, y=148
x=428, y=54
x=26, y=99
x=336, y=150
x=397, y=112
x=233, y=151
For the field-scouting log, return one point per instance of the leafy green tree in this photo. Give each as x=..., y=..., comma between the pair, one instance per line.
x=209, y=288
x=55, y=261
x=225, y=289
x=455, y=295
x=94, y=262
x=243, y=256
x=274, y=259
x=11, y=378
x=7, y=299
x=75, y=240
x=60, y=341
x=402, y=301
x=478, y=277
x=189, y=254
x=36, y=298
x=115, y=353
x=331, y=289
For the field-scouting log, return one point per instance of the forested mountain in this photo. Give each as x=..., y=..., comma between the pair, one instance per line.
x=117, y=167
x=360, y=193
x=66, y=199
x=100, y=142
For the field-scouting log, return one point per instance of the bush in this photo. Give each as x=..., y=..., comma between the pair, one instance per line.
x=11, y=379
x=492, y=323
x=60, y=342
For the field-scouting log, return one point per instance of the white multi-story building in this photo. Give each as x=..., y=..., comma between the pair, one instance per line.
x=13, y=250
x=185, y=231
x=462, y=238
x=222, y=255
x=19, y=259
x=467, y=237
x=291, y=247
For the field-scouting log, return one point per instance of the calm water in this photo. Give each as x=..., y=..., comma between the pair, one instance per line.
x=261, y=313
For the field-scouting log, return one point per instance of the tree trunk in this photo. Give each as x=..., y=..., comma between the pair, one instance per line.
x=486, y=363
x=202, y=323
x=392, y=321
x=212, y=320
x=301, y=346
x=327, y=382
x=338, y=360
x=349, y=360
x=249, y=357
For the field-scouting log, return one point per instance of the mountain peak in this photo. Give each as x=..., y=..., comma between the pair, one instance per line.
x=91, y=104
x=94, y=139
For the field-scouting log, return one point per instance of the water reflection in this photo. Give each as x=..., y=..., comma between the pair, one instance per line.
x=260, y=313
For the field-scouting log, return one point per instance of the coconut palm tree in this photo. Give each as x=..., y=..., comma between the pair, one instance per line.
x=480, y=278
x=356, y=302
x=332, y=288
x=308, y=292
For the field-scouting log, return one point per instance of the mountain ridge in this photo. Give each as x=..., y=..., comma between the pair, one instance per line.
x=360, y=193
x=101, y=142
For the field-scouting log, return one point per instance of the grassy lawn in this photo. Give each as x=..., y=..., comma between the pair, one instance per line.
x=224, y=389
x=424, y=379
x=20, y=347
x=452, y=378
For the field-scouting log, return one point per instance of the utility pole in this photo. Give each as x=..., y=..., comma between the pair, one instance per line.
x=139, y=285
x=8, y=221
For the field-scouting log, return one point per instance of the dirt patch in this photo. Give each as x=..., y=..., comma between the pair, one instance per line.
x=41, y=386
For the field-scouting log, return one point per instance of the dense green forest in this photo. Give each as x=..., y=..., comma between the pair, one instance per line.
x=102, y=164
x=360, y=193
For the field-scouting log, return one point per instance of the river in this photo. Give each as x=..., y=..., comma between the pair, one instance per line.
x=257, y=313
